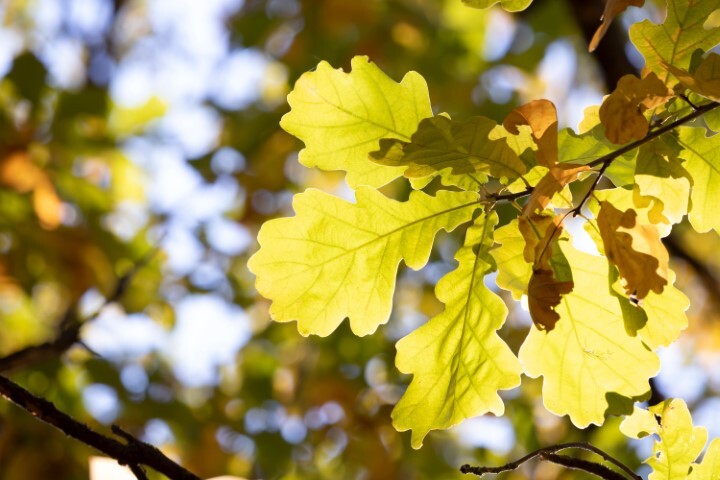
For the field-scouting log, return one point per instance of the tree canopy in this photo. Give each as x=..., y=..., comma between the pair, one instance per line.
x=270, y=237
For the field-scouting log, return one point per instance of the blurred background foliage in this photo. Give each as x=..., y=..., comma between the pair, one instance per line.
x=131, y=126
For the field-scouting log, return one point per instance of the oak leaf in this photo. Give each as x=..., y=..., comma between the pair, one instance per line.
x=541, y=117
x=635, y=249
x=457, y=360
x=341, y=117
x=613, y=8
x=705, y=80
x=336, y=259
x=622, y=111
x=464, y=147
x=679, y=442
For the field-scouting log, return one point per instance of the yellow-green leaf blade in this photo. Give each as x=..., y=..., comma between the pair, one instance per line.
x=702, y=161
x=585, y=357
x=675, y=41
x=342, y=116
x=458, y=361
x=679, y=442
x=464, y=147
x=336, y=259
x=709, y=468
x=509, y=5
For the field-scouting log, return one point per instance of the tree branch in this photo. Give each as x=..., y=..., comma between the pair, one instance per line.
x=547, y=454
x=134, y=453
x=69, y=329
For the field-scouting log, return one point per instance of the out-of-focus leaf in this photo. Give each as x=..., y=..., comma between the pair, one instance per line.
x=509, y=5
x=613, y=8
x=675, y=40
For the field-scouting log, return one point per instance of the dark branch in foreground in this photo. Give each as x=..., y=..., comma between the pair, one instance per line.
x=548, y=454
x=134, y=453
x=69, y=330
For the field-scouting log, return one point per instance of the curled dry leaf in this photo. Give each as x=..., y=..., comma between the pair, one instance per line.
x=544, y=294
x=541, y=117
x=551, y=277
x=613, y=8
x=635, y=249
x=622, y=111
x=553, y=182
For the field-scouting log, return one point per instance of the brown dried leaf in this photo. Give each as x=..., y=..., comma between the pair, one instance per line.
x=17, y=171
x=635, y=249
x=613, y=8
x=622, y=111
x=544, y=294
x=541, y=117
x=705, y=80
x=553, y=182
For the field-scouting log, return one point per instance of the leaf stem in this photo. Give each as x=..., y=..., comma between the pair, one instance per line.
x=547, y=453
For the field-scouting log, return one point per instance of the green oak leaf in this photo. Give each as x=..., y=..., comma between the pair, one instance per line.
x=702, y=161
x=342, y=116
x=464, y=147
x=659, y=174
x=457, y=359
x=584, y=359
x=675, y=41
x=679, y=442
x=336, y=259
x=709, y=468
x=509, y=5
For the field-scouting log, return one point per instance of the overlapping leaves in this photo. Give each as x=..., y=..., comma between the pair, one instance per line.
x=594, y=315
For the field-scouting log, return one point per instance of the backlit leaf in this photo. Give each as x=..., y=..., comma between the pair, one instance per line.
x=679, y=442
x=441, y=143
x=336, y=259
x=702, y=161
x=509, y=5
x=659, y=174
x=705, y=80
x=584, y=359
x=622, y=111
x=613, y=8
x=635, y=249
x=342, y=116
x=675, y=40
x=709, y=468
x=458, y=361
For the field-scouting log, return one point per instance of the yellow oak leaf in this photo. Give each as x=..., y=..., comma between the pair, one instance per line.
x=622, y=111
x=613, y=8
x=635, y=249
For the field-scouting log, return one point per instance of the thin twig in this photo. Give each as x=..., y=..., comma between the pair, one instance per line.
x=134, y=453
x=69, y=327
x=701, y=110
x=480, y=471
x=584, y=465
